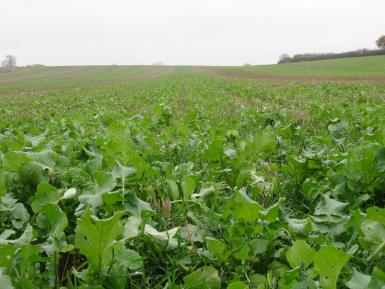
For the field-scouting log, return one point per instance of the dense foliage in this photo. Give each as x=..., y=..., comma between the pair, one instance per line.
x=192, y=181
x=325, y=56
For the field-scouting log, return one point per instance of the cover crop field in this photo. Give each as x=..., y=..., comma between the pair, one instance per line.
x=193, y=177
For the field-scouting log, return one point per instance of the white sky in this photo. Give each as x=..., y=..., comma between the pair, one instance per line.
x=197, y=32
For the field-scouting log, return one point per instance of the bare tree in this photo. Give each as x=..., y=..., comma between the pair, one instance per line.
x=9, y=62
x=381, y=42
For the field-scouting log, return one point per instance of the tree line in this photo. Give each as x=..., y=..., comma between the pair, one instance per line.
x=380, y=42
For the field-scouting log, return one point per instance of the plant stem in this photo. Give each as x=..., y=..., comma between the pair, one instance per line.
x=56, y=270
x=376, y=252
x=123, y=177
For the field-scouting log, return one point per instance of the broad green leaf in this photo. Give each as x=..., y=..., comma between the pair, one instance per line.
x=7, y=253
x=377, y=279
x=258, y=281
x=20, y=215
x=54, y=245
x=91, y=200
x=259, y=246
x=293, y=279
x=95, y=239
x=237, y=285
x=136, y=206
x=204, y=192
x=13, y=161
x=45, y=193
x=271, y=214
x=374, y=234
x=328, y=262
x=217, y=248
x=338, y=132
x=120, y=171
x=3, y=185
x=358, y=280
x=23, y=240
x=360, y=166
x=300, y=253
x=214, y=151
x=244, y=208
x=231, y=153
x=127, y=258
x=242, y=253
x=131, y=227
x=165, y=238
x=192, y=233
x=44, y=158
x=232, y=134
x=329, y=216
x=51, y=220
x=33, y=173
x=265, y=143
x=380, y=160
x=188, y=186
x=203, y=278
x=36, y=139
x=243, y=177
x=5, y=282
x=105, y=181
x=330, y=207
x=112, y=200
x=28, y=256
x=6, y=234
x=173, y=189
x=376, y=214
x=298, y=225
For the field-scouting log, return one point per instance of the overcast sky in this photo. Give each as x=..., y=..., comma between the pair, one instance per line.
x=196, y=32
